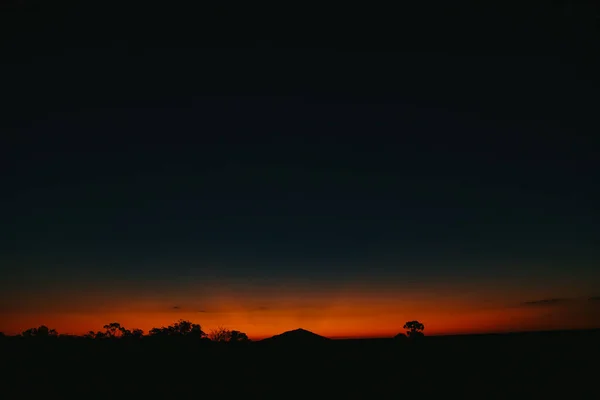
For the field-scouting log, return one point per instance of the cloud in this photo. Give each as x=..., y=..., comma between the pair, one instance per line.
x=545, y=302
x=594, y=298
x=176, y=308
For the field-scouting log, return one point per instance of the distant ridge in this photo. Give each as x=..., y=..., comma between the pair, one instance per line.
x=297, y=336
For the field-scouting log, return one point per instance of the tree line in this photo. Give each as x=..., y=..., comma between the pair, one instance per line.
x=115, y=330
x=184, y=328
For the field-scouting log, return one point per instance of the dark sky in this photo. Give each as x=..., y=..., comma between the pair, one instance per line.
x=180, y=152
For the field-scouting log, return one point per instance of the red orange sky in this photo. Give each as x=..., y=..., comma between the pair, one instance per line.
x=349, y=310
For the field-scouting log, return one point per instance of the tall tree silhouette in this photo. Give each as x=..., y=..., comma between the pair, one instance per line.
x=414, y=329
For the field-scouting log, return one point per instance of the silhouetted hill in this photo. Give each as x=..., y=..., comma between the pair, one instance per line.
x=297, y=336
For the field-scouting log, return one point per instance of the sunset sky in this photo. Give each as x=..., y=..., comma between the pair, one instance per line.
x=268, y=187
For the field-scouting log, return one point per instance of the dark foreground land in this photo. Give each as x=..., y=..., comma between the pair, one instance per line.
x=551, y=365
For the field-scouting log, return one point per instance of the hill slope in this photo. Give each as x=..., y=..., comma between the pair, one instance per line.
x=297, y=336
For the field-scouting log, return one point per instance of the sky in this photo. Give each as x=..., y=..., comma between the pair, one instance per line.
x=267, y=182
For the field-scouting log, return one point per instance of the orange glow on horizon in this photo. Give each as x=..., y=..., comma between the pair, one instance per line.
x=348, y=312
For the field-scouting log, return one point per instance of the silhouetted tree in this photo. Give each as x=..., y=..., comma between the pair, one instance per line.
x=135, y=333
x=113, y=330
x=237, y=336
x=414, y=329
x=29, y=332
x=225, y=335
x=159, y=331
x=197, y=331
x=41, y=331
x=95, y=335
x=219, y=334
x=180, y=328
